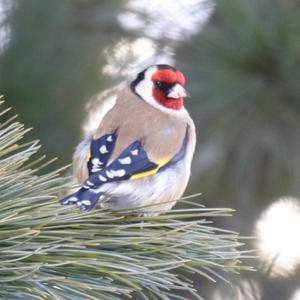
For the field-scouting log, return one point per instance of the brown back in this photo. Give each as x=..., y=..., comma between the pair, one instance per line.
x=161, y=133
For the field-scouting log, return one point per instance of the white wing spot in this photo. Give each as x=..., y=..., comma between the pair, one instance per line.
x=72, y=199
x=94, y=170
x=134, y=152
x=115, y=173
x=110, y=174
x=89, y=183
x=96, y=161
x=119, y=173
x=109, y=138
x=86, y=202
x=103, y=149
x=102, y=178
x=125, y=161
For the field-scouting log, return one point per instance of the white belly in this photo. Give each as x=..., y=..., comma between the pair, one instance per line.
x=158, y=192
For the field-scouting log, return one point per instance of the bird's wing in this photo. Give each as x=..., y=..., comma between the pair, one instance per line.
x=100, y=152
x=133, y=163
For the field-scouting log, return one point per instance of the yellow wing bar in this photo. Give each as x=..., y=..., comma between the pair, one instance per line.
x=88, y=156
x=151, y=172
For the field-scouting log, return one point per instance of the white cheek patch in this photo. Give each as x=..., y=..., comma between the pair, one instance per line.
x=145, y=87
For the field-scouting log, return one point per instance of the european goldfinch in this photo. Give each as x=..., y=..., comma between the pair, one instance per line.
x=140, y=156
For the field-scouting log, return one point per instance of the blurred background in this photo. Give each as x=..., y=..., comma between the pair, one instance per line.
x=63, y=61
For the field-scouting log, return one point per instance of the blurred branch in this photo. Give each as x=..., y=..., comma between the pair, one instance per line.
x=246, y=92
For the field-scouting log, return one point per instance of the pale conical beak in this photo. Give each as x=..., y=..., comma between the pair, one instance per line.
x=177, y=91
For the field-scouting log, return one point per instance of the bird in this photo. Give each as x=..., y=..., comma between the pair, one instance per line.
x=139, y=158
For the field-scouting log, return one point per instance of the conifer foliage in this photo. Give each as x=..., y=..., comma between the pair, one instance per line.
x=54, y=252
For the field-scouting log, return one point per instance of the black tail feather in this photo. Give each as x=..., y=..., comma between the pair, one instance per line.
x=84, y=199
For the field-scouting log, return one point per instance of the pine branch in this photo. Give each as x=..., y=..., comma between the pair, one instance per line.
x=54, y=252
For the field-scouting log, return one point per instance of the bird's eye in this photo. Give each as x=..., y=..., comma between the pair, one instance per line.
x=157, y=84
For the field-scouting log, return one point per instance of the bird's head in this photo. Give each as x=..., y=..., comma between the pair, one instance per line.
x=162, y=86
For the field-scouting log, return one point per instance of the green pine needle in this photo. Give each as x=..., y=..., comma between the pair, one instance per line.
x=54, y=252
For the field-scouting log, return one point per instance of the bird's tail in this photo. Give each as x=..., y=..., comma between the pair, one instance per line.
x=84, y=199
